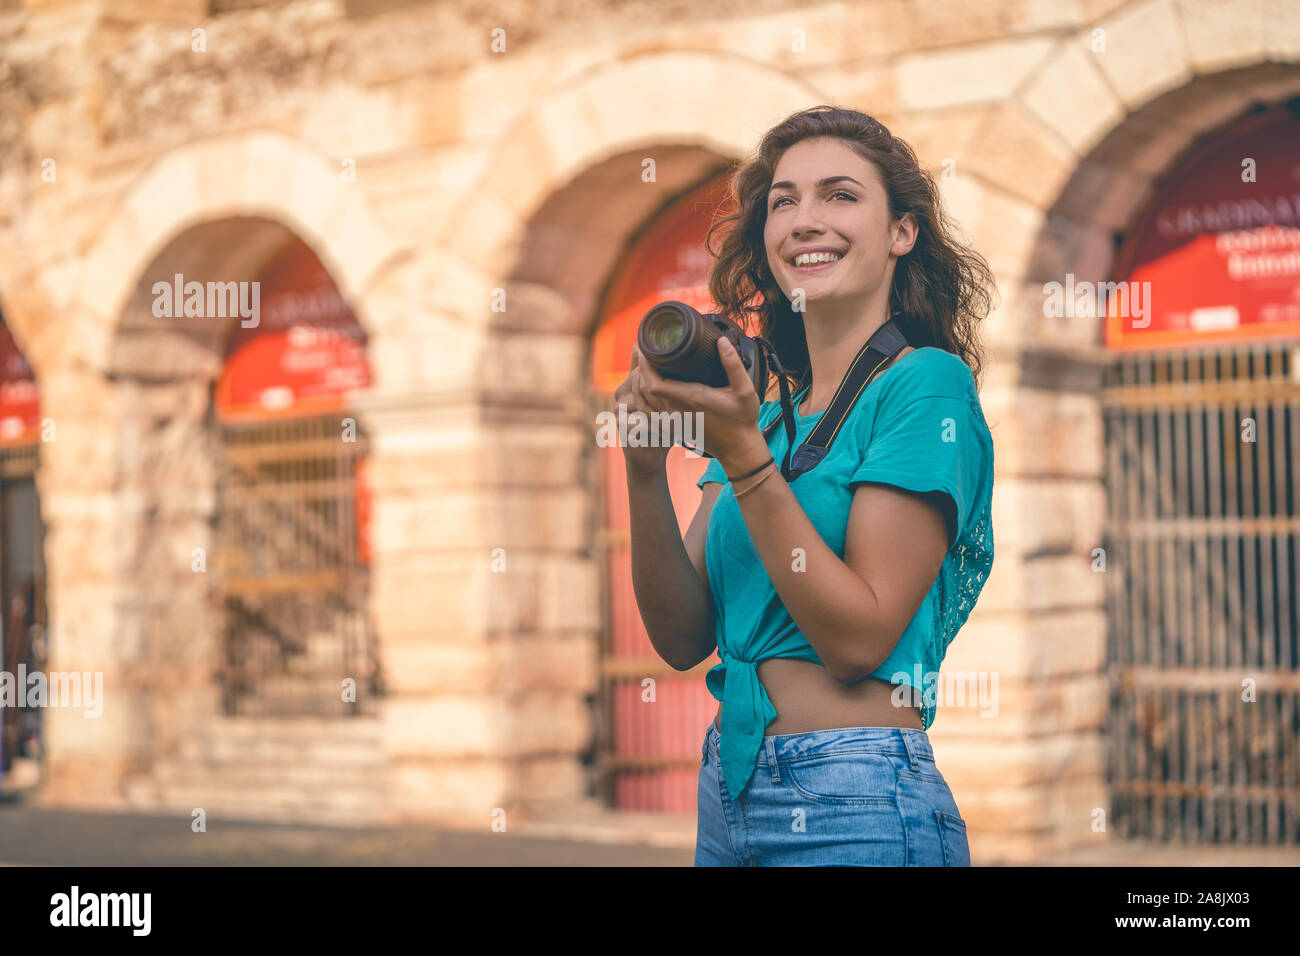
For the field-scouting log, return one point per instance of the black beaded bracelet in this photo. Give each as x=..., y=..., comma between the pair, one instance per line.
x=750, y=474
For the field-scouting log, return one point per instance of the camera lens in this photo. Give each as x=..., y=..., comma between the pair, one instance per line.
x=665, y=330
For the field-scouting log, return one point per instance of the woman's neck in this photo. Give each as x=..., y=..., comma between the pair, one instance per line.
x=833, y=343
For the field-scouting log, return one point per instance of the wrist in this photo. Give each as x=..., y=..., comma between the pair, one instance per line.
x=639, y=470
x=746, y=455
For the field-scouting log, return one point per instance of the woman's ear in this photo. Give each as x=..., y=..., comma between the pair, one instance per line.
x=905, y=231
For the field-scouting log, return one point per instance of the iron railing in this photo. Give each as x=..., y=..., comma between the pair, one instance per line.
x=294, y=588
x=1203, y=465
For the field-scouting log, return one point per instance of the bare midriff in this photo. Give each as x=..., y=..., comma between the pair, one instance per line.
x=807, y=698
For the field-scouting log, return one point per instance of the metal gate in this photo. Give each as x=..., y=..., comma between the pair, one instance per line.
x=1201, y=552
x=22, y=595
x=294, y=585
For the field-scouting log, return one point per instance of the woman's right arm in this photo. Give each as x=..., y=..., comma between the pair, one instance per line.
x=668, y=572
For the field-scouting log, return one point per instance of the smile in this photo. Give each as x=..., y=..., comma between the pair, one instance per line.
x=815, y=262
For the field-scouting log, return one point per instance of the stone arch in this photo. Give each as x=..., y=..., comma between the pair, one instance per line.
x=259, y=175
x=568, y=150
x=135, y=495
x=1053, y=195
x=1067, y=213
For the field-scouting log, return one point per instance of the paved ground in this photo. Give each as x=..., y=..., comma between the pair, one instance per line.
x=41, y=836
x=30, y=835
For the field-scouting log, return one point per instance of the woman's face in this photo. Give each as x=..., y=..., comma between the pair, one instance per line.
x=847, y=216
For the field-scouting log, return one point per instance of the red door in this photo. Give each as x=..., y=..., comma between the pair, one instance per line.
x=654, y=718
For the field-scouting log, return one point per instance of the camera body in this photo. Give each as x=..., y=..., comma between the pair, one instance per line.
x=681, y=343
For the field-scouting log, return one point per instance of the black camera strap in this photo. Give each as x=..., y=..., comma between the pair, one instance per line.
x=878, y=351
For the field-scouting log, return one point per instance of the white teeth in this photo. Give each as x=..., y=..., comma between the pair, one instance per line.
x=814, y=258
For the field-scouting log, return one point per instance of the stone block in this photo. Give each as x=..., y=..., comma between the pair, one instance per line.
x=467, y=792
x=1032, y=16
x=1070, y=95
x=1062, y=515
x=85, y=781
x=1220, y=34
x=968, y=74
x=1042, y=583
x=540, y=723
x=1144, y=53
x=569, y=592
x=548, y=784
x=1020, y=708
x=1041, y=433
x=446, y=727
x=548, y=665
x=1031, y=646
x=1017, y=153
x=1003, y=228
x=1023, y=771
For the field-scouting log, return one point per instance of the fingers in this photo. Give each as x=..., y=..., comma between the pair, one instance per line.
x=656, y=390
x=737, y=375
x=638, y=391
x=663, y=394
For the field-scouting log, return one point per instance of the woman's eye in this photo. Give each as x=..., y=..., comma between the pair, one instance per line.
x=838, y=192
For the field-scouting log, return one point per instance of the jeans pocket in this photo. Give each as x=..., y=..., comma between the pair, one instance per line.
x=952, y=835
x=858, y=779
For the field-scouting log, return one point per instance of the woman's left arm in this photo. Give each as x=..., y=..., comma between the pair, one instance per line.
x=852, y=611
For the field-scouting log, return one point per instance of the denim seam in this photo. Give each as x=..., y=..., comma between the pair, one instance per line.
x=902, y=818
x=727, y=805
x=912, y=748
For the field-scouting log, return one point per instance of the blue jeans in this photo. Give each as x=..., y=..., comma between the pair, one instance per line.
x=850, y=796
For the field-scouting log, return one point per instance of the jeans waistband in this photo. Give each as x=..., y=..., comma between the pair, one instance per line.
x=898, y=741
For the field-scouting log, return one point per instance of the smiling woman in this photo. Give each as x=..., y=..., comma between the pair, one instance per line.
x=832, y=599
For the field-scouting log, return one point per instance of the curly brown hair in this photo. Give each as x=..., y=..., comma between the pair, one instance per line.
x=941, y=289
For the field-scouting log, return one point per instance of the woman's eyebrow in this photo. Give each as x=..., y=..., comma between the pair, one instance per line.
x=786, y=184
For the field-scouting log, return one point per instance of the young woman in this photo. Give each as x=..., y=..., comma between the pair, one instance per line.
x=831, y=598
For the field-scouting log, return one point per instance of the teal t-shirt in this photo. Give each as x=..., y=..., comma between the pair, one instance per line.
x=919, y=427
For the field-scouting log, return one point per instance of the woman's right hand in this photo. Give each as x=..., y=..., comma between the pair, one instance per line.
x=645, y=460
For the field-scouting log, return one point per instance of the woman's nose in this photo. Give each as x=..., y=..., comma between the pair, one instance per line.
x=805, y=221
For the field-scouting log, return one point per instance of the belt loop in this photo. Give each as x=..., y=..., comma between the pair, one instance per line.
x=910, y=742
x=770, y=743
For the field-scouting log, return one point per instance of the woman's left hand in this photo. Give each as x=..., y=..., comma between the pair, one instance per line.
x=730, y=414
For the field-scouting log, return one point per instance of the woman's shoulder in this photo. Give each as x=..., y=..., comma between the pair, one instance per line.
x=930, y=375
x=927, y=372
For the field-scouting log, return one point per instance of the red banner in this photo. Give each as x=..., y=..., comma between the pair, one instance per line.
x=20, y=405
x=306, y=353
x=1219, y=245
